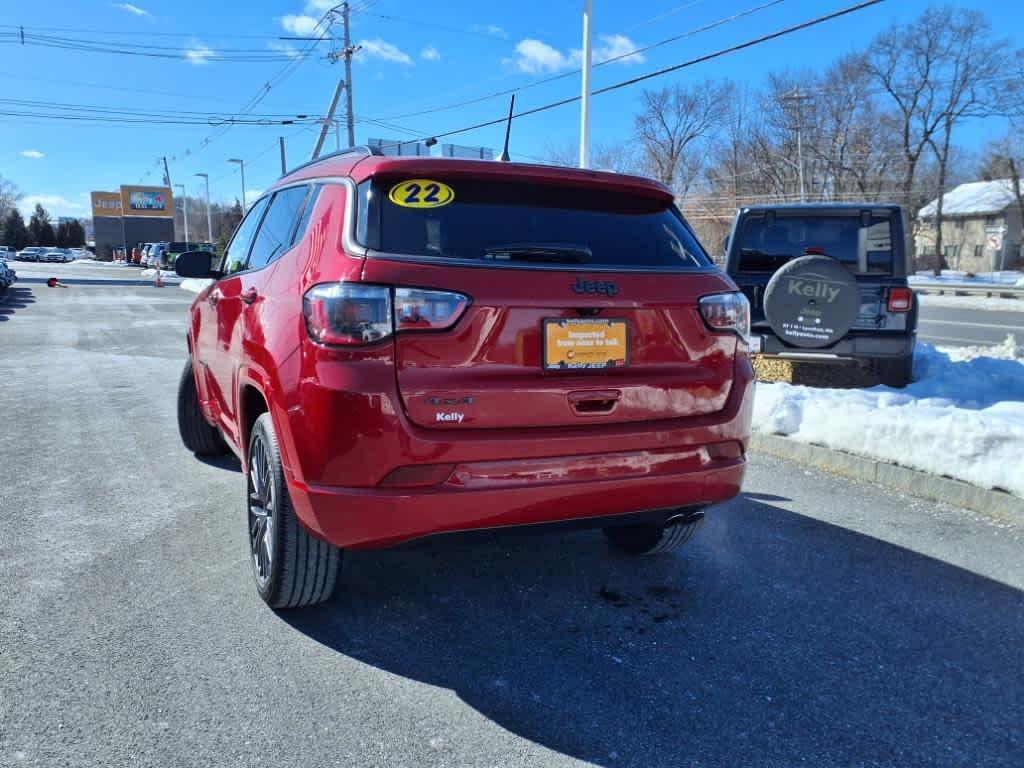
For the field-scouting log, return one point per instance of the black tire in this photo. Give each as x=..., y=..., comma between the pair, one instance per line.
x=652, y=539
x=197, y=435
x=895, y=372
x=291, y=568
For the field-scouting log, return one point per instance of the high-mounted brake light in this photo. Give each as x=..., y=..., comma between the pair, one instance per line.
x=901, y=299
x=350, y=314
x=726, y=313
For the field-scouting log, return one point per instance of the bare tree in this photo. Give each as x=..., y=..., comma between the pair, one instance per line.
x=671, y=122
x=937, y=71
x=619, y=157
x=9, y=197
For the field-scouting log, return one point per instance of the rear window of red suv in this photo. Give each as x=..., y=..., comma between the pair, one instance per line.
x=500, y=221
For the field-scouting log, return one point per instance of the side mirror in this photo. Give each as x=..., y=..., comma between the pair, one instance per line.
x=195, y=264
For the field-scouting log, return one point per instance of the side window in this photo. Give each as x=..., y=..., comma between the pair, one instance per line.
x=307, y=212
x=278, y=227
x=238, y=251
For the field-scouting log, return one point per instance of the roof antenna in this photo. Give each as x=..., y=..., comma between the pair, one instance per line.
x=503, y=157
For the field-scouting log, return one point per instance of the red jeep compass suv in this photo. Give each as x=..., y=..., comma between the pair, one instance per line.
x=403, y=346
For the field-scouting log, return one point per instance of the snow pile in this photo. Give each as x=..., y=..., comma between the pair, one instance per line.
x=195, y=284
x=963, y=416
x=982, y=303
x=1006, y=277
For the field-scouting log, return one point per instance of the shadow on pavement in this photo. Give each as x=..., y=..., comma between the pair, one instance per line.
x=13, y=299
x=773, y=639
x=229, y=462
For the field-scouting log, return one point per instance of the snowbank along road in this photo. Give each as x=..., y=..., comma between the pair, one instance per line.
x=813, y=620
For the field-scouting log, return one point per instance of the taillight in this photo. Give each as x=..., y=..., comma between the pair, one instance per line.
x=901, y=299
x=347, y=314
x=726, y=313
x=422, y=310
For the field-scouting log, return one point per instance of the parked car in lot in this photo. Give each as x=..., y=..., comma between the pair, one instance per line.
x=399, y=347
x=32, y=253
x=155, y=256
x=7, y=275
x=52, y=255
x=174, y=250
x=827, y=284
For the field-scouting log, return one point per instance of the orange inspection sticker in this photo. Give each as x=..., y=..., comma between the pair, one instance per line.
x=577, y=343
x=421, y=193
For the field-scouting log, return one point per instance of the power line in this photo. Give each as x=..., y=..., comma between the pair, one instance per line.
x=572, y=72
x=674, y=68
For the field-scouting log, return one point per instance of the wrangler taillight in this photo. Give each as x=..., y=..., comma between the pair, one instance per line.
x=727, y=313
x=901, y=299
x=349, y=314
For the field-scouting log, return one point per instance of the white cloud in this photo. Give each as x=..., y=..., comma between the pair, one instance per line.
x=615, y=46
x=198, y=54
x=381, y=49
x=132, y=9
x=300, y=25
x=32, y=154
x=290, y=51
x=55, y=205
x=430, y=53
x=321, y=5
x=536, y=57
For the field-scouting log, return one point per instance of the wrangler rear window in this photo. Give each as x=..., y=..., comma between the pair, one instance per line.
x=863, y=243
x=526, y=222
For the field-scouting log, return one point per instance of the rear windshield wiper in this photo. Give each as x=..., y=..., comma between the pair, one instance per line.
x=547, y=252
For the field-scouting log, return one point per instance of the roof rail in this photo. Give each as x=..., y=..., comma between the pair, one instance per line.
x=363, y=149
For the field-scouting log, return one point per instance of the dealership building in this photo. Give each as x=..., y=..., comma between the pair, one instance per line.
x=130, y=216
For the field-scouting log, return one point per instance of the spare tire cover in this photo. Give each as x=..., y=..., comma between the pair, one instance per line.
x=812, y=301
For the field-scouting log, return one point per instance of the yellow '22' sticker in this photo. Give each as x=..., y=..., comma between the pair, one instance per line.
x=421, y=193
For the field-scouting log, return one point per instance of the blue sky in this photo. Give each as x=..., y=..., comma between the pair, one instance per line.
x=414, y=57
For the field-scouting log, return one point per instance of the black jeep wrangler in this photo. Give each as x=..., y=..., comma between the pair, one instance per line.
x=827, y=283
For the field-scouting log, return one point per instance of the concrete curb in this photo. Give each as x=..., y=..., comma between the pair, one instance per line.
x=921, y=484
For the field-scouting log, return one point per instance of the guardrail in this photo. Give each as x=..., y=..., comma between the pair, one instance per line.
x=991, y=290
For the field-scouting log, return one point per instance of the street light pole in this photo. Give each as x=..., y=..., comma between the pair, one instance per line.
x=209, y=219
x=241, y=164
x=588, y=10
x=184, y=207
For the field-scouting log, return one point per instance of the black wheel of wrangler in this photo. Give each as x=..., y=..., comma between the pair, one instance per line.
x=198, y=436
x=292, y=569
x=895, y=372
x=653, y=539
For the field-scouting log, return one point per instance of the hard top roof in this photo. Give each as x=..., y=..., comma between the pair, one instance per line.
x=792, y=207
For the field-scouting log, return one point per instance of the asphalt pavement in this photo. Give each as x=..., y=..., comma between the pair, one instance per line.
x=813, y=621
x=953, y=327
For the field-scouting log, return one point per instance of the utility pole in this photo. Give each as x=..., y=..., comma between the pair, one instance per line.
x=347, y=53
x=798, y=99
x=328, y=120
x=588, y=11
x=209, y=219
x=184, y=207
x=167, y=173
x=284, y=163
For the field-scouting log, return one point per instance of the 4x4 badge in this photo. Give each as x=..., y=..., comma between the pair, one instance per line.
x=607, y=287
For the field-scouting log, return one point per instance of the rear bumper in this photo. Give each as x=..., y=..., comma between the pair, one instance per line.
x=365, y=518
x=850, y=348
x=497, y=478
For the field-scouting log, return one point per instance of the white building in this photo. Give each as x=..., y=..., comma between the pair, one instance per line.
x=981, y=227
